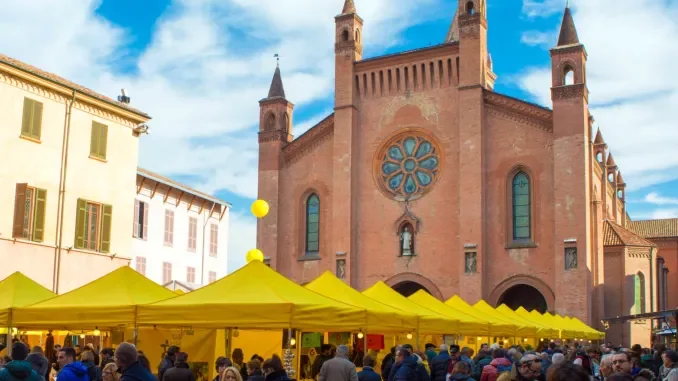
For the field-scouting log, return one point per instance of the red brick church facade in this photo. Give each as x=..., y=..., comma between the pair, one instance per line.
x=424, y=177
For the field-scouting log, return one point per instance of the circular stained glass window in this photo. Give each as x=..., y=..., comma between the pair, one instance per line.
x=408, y=165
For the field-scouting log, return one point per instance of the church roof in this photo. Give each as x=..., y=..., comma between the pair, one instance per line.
x=453, y=32
x=349, y=7
x=666, y=228
x=610, y=161
x=620, y=179
x=277, y=89
x=568, y=32
x=599, y=138
x=615, y=235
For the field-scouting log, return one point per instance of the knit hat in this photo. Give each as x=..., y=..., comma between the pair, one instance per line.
x=19, y=351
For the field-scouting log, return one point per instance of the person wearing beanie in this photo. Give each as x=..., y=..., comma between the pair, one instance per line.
x=40, y=364
x=19, y=369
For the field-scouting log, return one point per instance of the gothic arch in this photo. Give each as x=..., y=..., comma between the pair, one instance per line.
x=299, y=212
x=566, y=66
x=415, y=278
x=516, y=280
x=270, y=121
x=509, y=204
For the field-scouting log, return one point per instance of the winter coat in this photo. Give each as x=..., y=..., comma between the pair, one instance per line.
x=280, y=375
x=482, y=363
x=497, y=366
x=318, y=364
x=93, y=372
x=136, y=372
x=40, y=365
x=19, y=371
x=387, y=368
x=166, y=364
x=73, y=372
x=461, y=377
x=410, y=369
x=257, y=375
x=180, y=372
x=668, y=374
x=469, y=361
x=439, y=366
x=338, y=369
x=454, y=359
x=368, y=374
x=430, y=355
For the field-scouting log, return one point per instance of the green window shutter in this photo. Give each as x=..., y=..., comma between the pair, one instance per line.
x=637, y=292
x=36, y=123
x=106, y=222
x=26, y=117
x=80, y=222
x=39, y=218
x=103, y=140
x=19, y=210
x=94, y=140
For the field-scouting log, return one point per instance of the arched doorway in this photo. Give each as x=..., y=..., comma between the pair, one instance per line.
x=408, y=288
x=523, y=295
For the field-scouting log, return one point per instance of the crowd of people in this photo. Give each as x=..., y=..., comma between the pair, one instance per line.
x=495, y=363
x=403, y=363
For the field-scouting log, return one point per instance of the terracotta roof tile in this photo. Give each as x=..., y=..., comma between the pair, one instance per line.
x=615, y=235
x=667, y=228
x=166, y=180
x=568, y=32
x=64, y=82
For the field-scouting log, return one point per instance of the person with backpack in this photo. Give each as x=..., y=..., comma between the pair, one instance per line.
x=498, y=365
x=408, y=366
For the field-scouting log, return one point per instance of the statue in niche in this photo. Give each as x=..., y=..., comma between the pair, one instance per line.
x=471, y=263
x=406, y=241
x=341, y=268
x=570, y=258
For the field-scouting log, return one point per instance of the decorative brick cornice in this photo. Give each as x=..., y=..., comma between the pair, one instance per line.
x=578, y=90
x=53, y=95
x=466, y=20
x=576, y=48
x=347, y=47
x=348, y=16
x=272, y=136
x=518, y=111
x=639, y=253
x=276, y=100
x=309, y=141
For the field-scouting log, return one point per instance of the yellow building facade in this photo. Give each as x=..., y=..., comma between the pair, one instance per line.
x=68, y=179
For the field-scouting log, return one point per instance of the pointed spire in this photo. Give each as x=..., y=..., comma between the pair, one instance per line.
x=349, y=7
x=453, y=32
x=568, y=32
x=620, y=179
x=277, y=89
x=599, y=138
x=610, y=161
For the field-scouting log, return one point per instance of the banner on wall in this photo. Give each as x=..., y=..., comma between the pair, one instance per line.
x=375, y=342
x=311, y=340
x=339, y=338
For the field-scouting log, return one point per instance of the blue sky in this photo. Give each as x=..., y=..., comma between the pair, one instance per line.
x=200, y=66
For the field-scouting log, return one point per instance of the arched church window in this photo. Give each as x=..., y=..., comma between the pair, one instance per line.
x=287, y=123
x=639, y=294
x=357, y=36
x=599, y=157
x=270, y=121
x=313, y=224
x=522, y=213
x=568, y=76
x=470, y=8
x=610, y=177
x=344, y=35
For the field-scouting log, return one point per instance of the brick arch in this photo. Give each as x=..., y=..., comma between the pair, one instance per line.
x=538, y=284
x=416, y=278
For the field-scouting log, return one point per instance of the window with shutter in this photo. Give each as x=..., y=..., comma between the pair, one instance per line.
x=93, y=226
x=214, y=239
x=212, y=277
x=140, y=220
x=144, y=224
x=39, y=218
x=19, y=210
x=135, y=221
x=98, y=141
x=31, y=123
x=190, y=275
x=169, y=228
x=166, y=272
x=141, y=265
x=80, y=224
x=192, y=233
x=106, y=224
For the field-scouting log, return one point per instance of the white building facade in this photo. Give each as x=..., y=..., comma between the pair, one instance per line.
x=179, y=234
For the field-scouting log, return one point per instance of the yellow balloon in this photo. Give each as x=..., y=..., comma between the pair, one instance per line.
x=260, y=208
x=254, y=255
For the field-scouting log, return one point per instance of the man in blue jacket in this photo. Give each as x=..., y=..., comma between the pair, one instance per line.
x=439, y=364
x=71, y=370
x=409, y=368
x=127, y=361
x=368, y=373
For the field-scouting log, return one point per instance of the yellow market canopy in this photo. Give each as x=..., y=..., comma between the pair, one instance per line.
x=545, y=331
x=105, y=303
x=545, y=321
x=254, y=297
x=526, y=328
x=430, y=322
x=380, y=317
x=589, y=332
x=468, y=325
x=567, y=330
x=17, y=290
x=497, y=327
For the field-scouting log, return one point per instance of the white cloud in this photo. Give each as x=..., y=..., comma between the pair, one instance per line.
x=664, y=213
x=657, y=199
x=542, y=8
x=537, y=38
x=631, y=78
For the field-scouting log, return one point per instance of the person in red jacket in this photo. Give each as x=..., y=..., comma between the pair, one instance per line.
x=499, y=364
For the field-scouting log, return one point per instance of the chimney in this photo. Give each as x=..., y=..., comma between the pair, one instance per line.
x=124, y=98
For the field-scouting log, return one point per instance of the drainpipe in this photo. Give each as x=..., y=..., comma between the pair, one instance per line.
x=62, y=194
x=202, y=257
x=653, y=271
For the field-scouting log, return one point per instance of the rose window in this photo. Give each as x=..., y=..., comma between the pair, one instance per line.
x=409, y=165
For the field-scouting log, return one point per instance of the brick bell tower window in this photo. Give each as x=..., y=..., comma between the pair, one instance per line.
x=408, y=165
x=521, y=207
